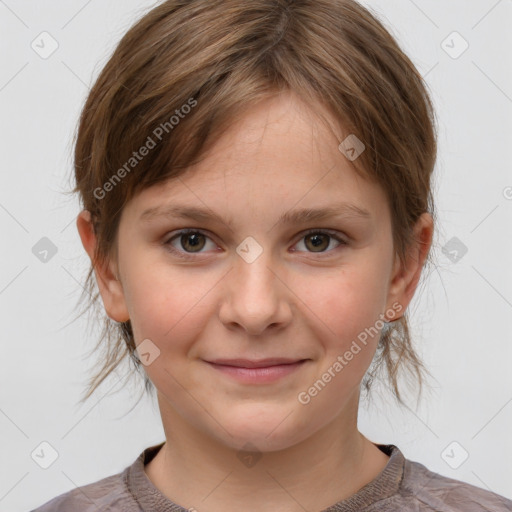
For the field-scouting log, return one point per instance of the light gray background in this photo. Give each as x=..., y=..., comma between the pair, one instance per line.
x=462, y=315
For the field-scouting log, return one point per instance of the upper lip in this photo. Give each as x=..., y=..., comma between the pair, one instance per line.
x=260, y=363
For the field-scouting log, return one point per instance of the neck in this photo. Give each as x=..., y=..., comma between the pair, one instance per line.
x=196, y=472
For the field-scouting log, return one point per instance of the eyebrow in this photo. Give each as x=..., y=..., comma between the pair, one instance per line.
x=297, y=216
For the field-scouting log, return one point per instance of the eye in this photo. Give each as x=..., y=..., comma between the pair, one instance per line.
x=187, y=242
x=319, y=240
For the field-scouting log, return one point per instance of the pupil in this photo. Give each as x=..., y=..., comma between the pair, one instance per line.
x=316, y=240
x=192, y=240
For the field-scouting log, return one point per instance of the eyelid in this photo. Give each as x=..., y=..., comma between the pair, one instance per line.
x=341, y=237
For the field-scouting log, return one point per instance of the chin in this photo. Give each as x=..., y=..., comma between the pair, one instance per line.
x=263, y=432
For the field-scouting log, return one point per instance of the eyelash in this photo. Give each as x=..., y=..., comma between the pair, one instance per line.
x=192, y=256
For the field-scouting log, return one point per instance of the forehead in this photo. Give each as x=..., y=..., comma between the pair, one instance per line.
x=278, y=154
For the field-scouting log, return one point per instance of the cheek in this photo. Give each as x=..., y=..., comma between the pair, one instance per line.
x=346, y=301
x=166, y=305
x=344, y=311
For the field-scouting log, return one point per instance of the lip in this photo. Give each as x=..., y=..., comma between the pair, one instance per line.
x=260, y=363
x=257, y=372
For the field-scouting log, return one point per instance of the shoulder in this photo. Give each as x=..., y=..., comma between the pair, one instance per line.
x=110, y=493
x=432, y=491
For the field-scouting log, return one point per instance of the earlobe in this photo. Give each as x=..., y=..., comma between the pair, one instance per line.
x=406, y=277
x=110, y=287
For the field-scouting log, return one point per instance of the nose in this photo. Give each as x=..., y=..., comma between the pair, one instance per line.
x=256, y=296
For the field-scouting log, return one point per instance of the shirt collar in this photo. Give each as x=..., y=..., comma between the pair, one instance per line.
x=383, y=486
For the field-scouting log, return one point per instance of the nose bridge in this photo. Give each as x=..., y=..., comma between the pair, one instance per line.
x=256, y=297
x=255, y=275
x=252, y=276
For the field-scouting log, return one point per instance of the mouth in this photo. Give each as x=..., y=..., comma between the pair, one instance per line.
x=257, y=371
x=261, y=363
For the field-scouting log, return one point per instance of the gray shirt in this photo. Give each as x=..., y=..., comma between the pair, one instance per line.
x=402, y=485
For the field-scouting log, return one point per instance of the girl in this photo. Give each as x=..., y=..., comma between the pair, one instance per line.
x=257, y=207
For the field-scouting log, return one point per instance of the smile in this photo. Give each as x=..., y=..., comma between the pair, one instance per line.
x=259, y=374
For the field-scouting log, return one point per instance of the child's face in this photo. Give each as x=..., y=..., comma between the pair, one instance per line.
x=301, y=298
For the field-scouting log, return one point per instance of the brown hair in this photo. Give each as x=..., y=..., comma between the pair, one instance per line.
x=187, y=68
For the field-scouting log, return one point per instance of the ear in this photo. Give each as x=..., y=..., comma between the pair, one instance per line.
x=405, y=277
x=110, y=287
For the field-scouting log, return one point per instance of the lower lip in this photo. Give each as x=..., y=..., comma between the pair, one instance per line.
x=258, y=375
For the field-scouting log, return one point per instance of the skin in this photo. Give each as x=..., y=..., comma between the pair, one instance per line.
x=295, y=300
